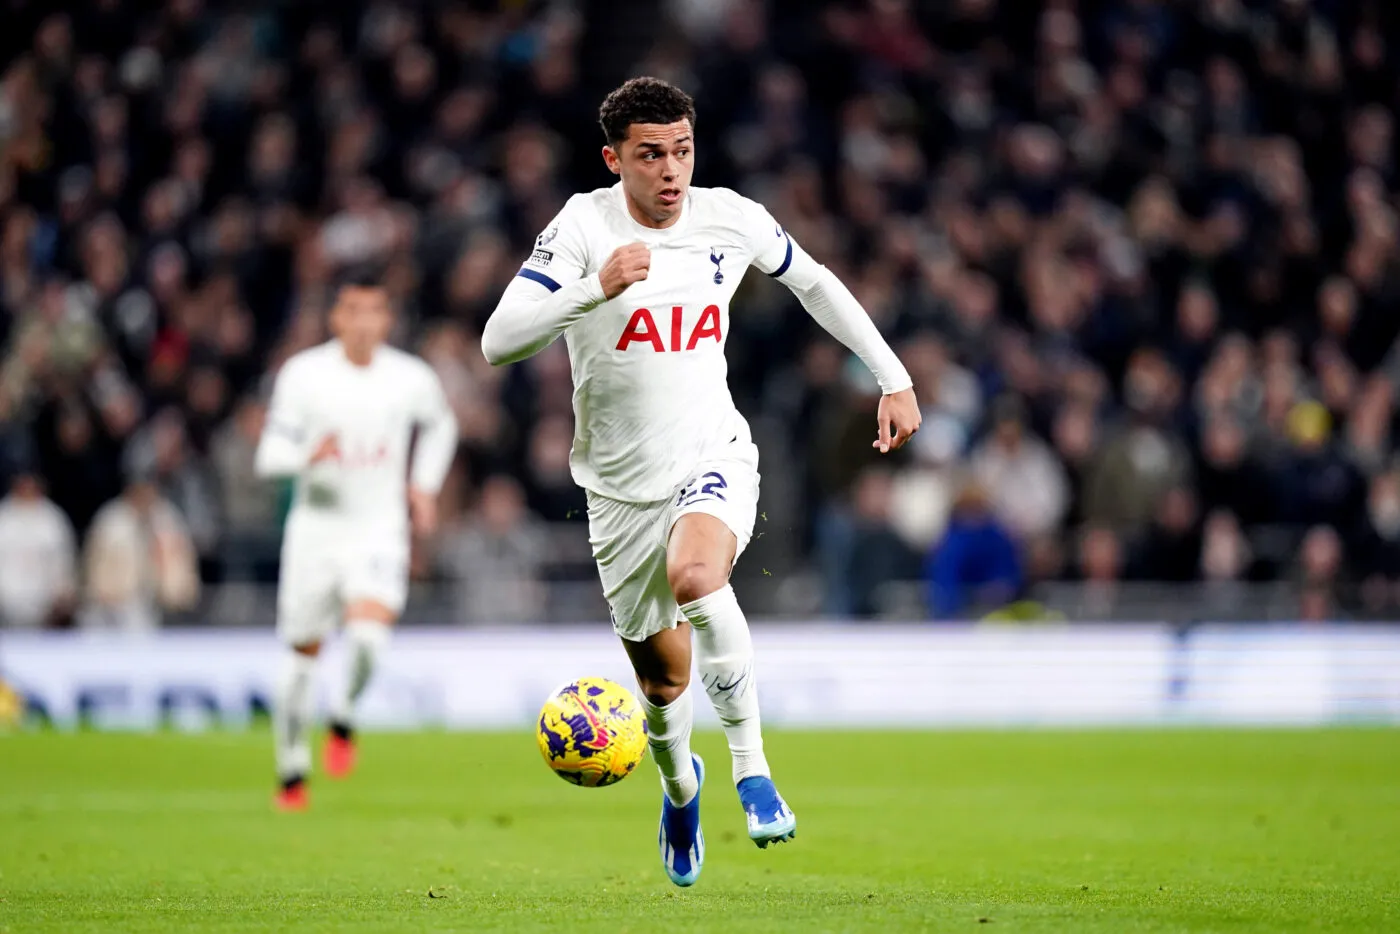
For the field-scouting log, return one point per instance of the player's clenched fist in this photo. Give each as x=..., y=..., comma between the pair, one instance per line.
x=327, y=449
x=628, y=264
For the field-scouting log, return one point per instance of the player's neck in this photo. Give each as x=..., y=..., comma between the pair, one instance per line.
x=357, y=356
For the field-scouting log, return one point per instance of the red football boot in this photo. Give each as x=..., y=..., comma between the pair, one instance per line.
x=339, y=757
x=292, y=797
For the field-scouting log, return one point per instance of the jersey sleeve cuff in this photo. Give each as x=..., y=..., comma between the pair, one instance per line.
x=593, y=290
x=895, y=384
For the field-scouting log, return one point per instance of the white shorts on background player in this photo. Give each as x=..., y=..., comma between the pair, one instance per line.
x=629, y=539
x=323, y=572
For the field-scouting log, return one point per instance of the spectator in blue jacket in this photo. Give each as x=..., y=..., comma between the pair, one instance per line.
x=976, y=563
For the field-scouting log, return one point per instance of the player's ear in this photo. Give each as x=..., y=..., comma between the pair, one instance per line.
x=613, y=160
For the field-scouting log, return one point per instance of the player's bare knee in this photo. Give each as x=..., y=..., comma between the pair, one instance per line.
x=695, y=579
x=664, y=688
x=309, y=649
x=371, y=610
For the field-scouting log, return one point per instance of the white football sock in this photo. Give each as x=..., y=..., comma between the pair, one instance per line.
x=366, y=639
x=724, y=652
x=668, y=735
x=291, y=715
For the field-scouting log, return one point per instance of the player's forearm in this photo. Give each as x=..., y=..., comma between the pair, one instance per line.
x=279, y=456
x=528, y=318
x=833, y=306
x=432, y=458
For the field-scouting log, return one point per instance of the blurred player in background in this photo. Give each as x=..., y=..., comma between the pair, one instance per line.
x=341, y=422
x=639, y=277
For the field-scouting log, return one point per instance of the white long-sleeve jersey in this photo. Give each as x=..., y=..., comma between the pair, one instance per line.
x=372, y=411
x=651, y=392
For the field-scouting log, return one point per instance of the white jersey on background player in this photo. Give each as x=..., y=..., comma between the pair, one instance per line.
x=639, y=278
x=341, y=421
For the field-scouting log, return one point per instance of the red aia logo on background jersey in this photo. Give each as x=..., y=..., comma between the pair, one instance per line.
x=642, y=329
x=363, y=457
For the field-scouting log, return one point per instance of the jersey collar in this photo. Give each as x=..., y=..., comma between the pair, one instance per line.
x=344, y=358
x=653, y=234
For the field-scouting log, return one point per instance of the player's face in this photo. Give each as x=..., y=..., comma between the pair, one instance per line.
x=361, y=318
x=655, y=161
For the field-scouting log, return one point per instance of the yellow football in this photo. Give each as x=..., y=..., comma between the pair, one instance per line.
x=592, y=732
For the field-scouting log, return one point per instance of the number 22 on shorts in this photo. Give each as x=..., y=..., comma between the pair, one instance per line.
x=710, y=486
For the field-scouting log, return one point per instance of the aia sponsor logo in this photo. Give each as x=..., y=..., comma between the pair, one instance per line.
x=642, y=330
x=360, y=458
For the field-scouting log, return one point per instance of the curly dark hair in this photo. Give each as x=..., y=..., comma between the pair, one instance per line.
x=643, y=100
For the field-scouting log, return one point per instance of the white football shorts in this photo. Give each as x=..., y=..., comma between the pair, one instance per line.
x=319, y=578
x=629, y=539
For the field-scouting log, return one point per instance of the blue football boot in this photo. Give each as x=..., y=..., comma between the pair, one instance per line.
x=770, y=819
x=682, y=843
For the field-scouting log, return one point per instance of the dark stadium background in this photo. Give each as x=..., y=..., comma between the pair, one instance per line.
x=1140, y=258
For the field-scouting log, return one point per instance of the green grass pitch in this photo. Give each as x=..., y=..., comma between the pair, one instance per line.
x=1115, y=831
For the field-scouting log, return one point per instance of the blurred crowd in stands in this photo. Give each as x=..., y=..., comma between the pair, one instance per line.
x=1140, y=257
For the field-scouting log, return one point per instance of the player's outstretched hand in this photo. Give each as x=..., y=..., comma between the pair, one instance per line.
x=422, y=512
x=627, y=264
x=898, y=419
x=327, y=449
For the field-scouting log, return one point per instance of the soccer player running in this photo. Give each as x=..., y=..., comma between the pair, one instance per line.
x=341, y=422
x=638, y=277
